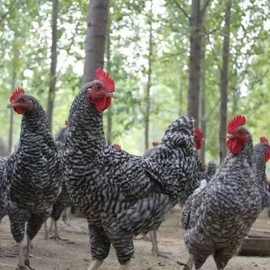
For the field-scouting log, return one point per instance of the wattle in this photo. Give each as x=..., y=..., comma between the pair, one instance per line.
x=19, y=109
x=102, y=104
x=235, y=146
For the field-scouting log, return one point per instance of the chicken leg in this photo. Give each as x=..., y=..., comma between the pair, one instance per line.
x=54, y=230
x=27, y=254
x=155, y=250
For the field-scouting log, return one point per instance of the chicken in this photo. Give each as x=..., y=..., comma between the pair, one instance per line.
x=198, y=138
x=222, y=214
x=120, y=194
x=4, y=188
x=63, y=200
x=260, y=157
x=35, y=175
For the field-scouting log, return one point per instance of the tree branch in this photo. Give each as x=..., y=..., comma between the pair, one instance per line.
x=182, y=9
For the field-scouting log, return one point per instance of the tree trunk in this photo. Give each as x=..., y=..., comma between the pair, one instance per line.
x=95, y=38
x=202, y=102
x=203, y=97
x=195, y=61
x=52, y=87
x=224, y=81
x=149, y=80
x=108, y=56
x=181, y=94
x=11, y=116
x=198, y=10
x=16, y=55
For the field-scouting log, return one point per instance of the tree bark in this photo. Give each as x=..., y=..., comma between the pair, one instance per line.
x=198, y=11
x=11, y=116
x=202, y=102
x=95, y=38
x=224, y=81
x=108, y=56
x=149, y=81
x=203, y=97
x=195, y=61
x=16, y=55
x=53, y=76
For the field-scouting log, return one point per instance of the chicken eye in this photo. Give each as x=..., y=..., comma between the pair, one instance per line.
x=98, y=87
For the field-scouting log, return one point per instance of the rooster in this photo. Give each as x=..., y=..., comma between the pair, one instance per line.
x=120, y=194
x=35, y=175
x=223, y=213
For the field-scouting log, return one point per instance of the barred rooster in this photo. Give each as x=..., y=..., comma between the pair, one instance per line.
x=35, y=175
x=223, y=213
x=120, y=194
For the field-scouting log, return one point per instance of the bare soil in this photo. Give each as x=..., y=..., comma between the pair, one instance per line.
x=73, y=252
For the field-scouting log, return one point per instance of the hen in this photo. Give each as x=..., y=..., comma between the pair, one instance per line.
x=63, y=200
x=123, y=195
x=223, y=213
x=198, y=139
x=260, y=156
x=35, y=175
x=4, y=188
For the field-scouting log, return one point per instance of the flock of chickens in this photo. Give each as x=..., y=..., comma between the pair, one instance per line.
x=123, y=195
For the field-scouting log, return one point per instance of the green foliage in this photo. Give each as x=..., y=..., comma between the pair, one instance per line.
x=25, y=40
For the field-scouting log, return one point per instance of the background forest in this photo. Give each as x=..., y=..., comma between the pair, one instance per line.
x=148, y=52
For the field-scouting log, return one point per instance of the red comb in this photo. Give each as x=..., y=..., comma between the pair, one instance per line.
x=105, y=77
x=17, y=93
x=198, y=137
x=237, y=122
x=264, y=140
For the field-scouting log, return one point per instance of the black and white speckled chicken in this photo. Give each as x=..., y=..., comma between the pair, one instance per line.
x=204, y=178
x=63, y=200
x=261, y=155
x=35, y=175
x=225, y=211
x=4, y=188
x=123, y=195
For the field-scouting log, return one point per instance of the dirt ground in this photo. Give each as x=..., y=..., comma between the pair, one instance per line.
x=73, y=252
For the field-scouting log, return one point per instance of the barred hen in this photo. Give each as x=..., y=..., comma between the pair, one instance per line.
x=225, y=211
x=4, y=188
x=198, y=139
x=261, y=156
x=36, y=174
x=63, y=200
x=120, y=194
